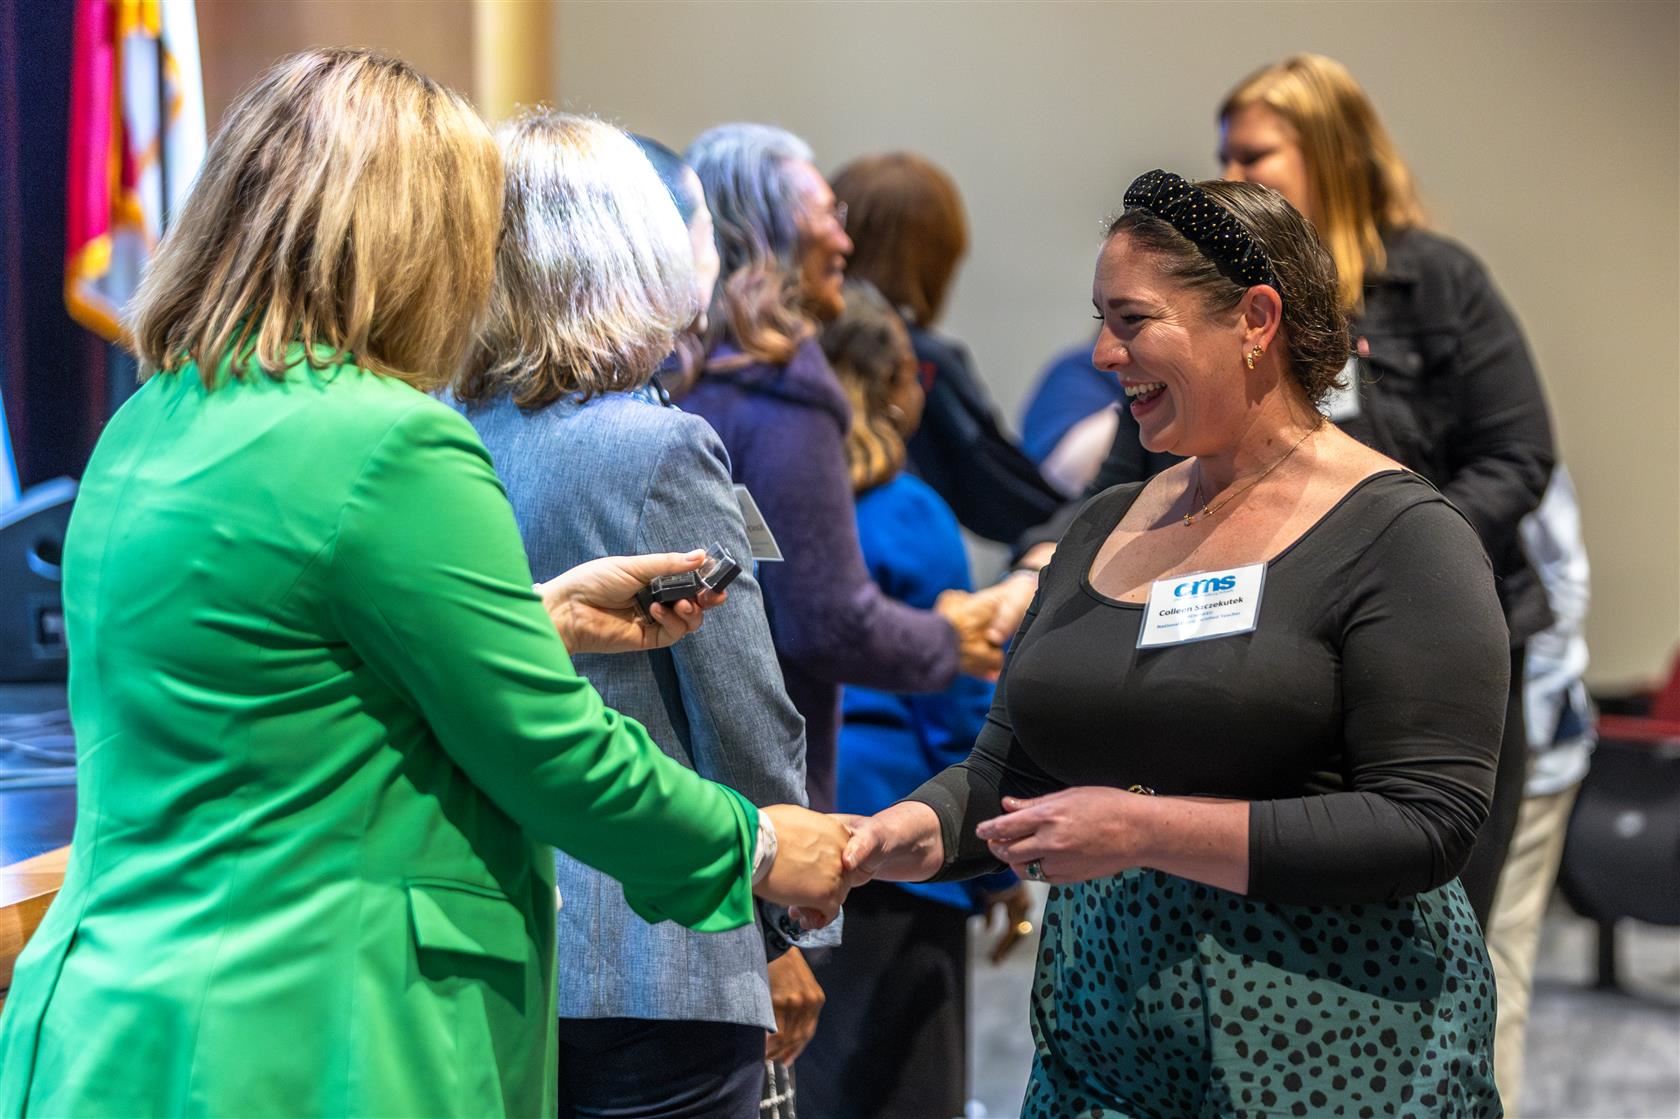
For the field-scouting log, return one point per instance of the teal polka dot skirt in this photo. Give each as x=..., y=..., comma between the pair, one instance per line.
x=1159, y=998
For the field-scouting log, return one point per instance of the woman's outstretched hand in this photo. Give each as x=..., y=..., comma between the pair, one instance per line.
x=900, y=844
x=806, y=876
x=593, y=605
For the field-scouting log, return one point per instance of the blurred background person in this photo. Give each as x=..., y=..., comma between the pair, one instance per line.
x=1561, y=727
x=1442, y=380
x=909, y=232
x=783, y=417
x=893, y=1040
x=682, y=364
x=596, y=279
x=1074, y=416
x=1069, y=419
x=329, y=731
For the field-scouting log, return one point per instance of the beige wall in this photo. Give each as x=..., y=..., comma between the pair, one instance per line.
x=1545, y=135
x=494, y=51
x=240, y=38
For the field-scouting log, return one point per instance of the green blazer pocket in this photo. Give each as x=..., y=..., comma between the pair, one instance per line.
x=467, y=920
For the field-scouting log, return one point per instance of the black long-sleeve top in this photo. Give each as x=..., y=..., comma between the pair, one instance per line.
x=1448, y=389
x=1361, y=718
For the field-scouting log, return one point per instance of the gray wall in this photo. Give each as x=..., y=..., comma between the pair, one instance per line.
x=1545, y=135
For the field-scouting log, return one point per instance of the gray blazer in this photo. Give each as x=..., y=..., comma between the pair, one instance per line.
x=623, y=474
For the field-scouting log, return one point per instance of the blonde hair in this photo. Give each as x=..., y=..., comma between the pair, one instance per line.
x=595, y=274
x=867, y=344
x=348, y=203
x=1363, y=189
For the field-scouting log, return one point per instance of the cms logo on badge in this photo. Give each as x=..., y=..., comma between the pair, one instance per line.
x=1205, y=586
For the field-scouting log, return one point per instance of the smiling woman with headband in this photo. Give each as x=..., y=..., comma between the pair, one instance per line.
x=1247, y=729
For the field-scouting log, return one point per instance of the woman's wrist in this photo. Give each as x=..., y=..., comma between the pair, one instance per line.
x=556, y=598
x=915, y=842
x=765, y=846
x=1201, y=838
x=1034, y=559
x=1137, y=834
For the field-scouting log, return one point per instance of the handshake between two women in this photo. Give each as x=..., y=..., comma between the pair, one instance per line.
x=819, y=858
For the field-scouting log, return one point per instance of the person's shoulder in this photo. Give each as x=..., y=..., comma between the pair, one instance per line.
x=683, y=441
x=1396, y=507
x=620, y=415
x=424, y=428
x=938, y=348
x=1101, y=512
x=945, y=364
x=387, y=434
x=905, y=524
x=917, y=502
x=805, y=384
x=388, y=409
x=1432, y=258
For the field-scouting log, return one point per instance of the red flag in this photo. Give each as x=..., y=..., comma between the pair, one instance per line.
x=136, y=140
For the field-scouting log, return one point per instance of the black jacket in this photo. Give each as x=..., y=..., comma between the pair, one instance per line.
x=1448, y=389
x=993, y=487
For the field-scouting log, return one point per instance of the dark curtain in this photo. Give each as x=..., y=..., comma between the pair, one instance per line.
x=54, y=373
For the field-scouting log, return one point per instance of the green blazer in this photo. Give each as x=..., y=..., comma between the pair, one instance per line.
x=326, y=734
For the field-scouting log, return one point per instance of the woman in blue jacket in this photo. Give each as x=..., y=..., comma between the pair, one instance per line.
x=595, y=276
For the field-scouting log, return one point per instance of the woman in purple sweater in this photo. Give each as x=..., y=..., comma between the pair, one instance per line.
x=768, y=390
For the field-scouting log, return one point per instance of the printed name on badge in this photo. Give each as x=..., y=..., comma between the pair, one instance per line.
x=1202, y=605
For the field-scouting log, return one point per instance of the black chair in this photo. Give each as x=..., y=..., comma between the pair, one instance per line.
x=1621, y=855
x=32, y=646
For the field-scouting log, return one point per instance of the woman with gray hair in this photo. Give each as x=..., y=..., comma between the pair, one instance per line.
x=595, y=278
x=783, y=416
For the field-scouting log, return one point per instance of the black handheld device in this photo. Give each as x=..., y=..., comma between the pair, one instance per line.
x=715, y=574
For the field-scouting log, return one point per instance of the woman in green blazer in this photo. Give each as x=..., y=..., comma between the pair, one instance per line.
x=327, y=731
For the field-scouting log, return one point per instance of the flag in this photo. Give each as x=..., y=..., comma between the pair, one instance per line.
x=136, y=139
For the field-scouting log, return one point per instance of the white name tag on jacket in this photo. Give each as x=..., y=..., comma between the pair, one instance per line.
x=1202, y=605
x=758, y=533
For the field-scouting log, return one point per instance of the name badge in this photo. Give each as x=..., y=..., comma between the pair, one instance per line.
x=1202, y=605
x=758, y=533
x=1343, y=403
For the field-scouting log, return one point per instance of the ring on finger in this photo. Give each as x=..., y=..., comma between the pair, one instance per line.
x=1035, y=871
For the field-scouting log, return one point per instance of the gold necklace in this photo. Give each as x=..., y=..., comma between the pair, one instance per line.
x=1209, y=510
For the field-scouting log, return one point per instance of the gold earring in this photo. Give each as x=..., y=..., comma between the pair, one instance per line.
x=1253, y=356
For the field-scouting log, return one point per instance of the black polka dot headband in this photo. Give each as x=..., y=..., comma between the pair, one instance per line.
x=1208, y=225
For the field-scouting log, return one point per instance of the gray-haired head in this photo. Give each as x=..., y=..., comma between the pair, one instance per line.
x=754, y=198
x=674, y=173
x=595, y=273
